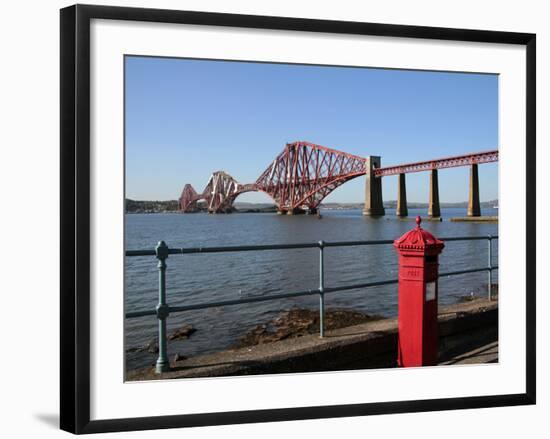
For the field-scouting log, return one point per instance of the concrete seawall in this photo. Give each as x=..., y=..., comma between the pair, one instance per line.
x=464, y=329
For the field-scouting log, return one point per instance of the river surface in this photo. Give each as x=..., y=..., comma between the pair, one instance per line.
x=199, y=278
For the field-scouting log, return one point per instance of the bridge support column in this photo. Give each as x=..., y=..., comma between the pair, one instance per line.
x=401, y=209
x=295, y=211
x=374, y=205
x=433, y=208
x=473, y=199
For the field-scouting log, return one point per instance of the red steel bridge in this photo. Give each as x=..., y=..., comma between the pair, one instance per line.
x=303, y=174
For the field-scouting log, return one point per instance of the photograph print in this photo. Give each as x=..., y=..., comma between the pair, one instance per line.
x=293, y=218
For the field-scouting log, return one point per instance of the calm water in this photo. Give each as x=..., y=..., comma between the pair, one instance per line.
x=207, y=277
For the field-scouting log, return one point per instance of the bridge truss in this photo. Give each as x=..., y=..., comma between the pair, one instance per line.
x=303, y=174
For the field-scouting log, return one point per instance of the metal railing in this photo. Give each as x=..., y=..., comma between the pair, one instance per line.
x=163, y=310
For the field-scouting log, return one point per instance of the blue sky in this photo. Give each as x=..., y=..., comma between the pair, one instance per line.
x=188, y=118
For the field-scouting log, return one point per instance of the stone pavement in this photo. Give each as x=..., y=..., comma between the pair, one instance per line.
x=487, y=353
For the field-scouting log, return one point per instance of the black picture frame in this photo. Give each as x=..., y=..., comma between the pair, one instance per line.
x=75, y=217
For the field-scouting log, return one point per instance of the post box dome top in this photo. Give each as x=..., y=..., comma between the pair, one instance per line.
x=419, y=240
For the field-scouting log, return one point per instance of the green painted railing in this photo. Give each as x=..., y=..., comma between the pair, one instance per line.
x=163, y=310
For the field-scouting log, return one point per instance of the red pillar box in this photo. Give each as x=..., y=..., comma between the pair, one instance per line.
x=418, y=252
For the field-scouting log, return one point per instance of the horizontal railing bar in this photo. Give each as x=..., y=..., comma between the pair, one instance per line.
x=141, y=252
x=240, y=248
x=225, y=303
x=261, y=298
x=468, y=238
x=471, y=270
x=357, y=243
x=327, y=290
x=362, y=285
x=134, y=314
x=242, y=301
x=237, y=248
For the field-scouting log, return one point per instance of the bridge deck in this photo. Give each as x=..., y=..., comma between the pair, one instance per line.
x=442, y=163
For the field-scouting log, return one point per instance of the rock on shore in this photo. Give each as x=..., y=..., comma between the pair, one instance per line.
x=299, y=322
x=152, y=347
x=182, y=333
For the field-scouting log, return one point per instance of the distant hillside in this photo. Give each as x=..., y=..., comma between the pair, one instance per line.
x=134, y=206
x=137, y=206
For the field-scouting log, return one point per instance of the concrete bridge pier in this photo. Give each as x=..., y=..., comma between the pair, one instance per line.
x=434, y=210
x=295, y=211
x=374, y=205
x=401, y=209
x=473, y=199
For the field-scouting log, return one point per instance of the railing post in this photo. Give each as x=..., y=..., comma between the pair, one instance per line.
x=321, y=289
x=163, y=365
x=490, y=268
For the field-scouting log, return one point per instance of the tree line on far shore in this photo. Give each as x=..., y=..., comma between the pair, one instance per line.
x=137, y=206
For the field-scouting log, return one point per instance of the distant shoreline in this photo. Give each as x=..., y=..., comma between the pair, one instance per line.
x=171, y=206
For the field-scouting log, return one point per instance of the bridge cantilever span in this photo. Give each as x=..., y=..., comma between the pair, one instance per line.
x=219, y=194
x=304, y=173
x=298, y=180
